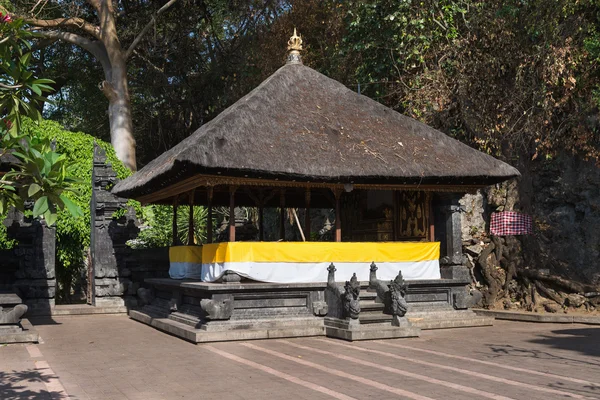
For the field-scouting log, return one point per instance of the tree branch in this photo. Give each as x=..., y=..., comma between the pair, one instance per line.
x=146, y=28
x=87, y=44
x=79, y=23
x=3, y=86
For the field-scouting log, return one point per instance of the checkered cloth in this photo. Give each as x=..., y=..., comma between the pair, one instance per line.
x=511, y=223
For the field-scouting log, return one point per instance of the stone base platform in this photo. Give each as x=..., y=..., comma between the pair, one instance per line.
x=22, y=333
x=13, y=329
x=243, y=330
x=210, y=312
x=353, y=330
x=443, y=319
x=86, y=309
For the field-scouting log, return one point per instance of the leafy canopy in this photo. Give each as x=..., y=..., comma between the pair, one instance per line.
x=37, y=173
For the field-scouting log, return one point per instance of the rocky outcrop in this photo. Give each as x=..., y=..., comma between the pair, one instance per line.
x=563, y=197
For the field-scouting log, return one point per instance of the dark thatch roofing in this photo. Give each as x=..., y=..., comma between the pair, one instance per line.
x=299, y=124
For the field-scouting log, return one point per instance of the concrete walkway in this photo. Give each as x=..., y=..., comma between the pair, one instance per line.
x=112, y=357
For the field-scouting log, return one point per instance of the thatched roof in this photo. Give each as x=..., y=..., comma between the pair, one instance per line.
x=299, y=124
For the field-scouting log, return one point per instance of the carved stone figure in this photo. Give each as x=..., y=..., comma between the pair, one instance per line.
x=351, y=298
x=13, y=316
x=342, y=301
x=391, y=294
x=217, y=309
x=398, y=304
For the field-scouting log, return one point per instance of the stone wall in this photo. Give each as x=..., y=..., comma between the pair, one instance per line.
x=118, y=270
x=29, y=268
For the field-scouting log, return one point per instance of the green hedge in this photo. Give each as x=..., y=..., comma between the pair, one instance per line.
x=73, y=233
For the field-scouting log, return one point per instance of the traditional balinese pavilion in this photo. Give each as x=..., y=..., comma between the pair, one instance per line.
x=303, y=140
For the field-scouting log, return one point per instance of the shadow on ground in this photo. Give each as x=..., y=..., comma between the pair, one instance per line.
x=581, y=340
x=578, y=340
x=43, y=321
x=15, y=386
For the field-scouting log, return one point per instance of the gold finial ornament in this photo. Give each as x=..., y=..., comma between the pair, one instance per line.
x=294, y=48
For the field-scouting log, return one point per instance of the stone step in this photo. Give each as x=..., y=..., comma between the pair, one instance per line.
x=369, y=305
x=451, y=323
x=364, y=295
x=430, y=306
x=441, y=314
x=370, y=318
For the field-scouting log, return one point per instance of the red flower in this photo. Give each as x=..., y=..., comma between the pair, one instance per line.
x=5, y=18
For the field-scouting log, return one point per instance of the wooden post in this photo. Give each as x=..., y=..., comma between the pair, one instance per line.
x=430, y=215
x=175, y=236
x=282, y=214
x=191, y=240
x=232, y=190
x=307, y=215
x=338, y=215
x=209, y=220
x=261, y=231
x=396, y=215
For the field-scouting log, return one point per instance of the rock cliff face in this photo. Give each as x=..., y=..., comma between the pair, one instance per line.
x=563, y=196
x=565, y=203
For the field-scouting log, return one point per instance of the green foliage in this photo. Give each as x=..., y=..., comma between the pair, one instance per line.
x=157, y=230
x=73, y=231
x=37, y=173
x=393, y=38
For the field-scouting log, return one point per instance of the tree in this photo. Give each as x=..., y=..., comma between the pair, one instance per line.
x=101, y=39
x=38, y=173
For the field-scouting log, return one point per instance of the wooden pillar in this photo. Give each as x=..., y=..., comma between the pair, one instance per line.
x=338, y=215
x=209, y=218
x=191, y=240
x=261, y=230
x=431, y=218
x=396, y=214
x=307, y=215
x=282, y=214
x=175, y=236
x=232, y=190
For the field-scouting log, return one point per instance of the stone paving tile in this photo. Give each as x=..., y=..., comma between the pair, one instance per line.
x=462, y=374
x=111, y=357
x=347, y=386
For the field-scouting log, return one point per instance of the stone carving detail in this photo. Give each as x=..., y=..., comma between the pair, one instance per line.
x=392, y=294
x=398, y=304
x=111, y=279
x=13, y=316
x=217, y=309
x=319, y=308
x=342, y=302
x=351, y=298
x=230, y=277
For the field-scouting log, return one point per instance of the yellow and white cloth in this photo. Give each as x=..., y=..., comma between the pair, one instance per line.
x=185, y=262
x=303, y=262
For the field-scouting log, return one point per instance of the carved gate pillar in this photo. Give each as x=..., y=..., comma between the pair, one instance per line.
x=109, y=277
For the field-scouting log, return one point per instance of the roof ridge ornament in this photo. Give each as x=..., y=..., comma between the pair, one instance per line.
x=294, y=48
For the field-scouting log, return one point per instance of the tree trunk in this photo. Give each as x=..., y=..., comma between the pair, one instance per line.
x=102, y=41
x=115, y=88
x=119, y=112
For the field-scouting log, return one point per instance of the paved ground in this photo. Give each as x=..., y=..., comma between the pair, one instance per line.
x=112, y=357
